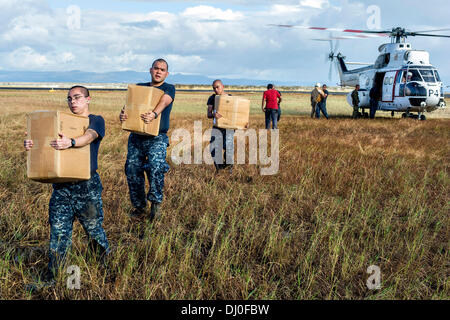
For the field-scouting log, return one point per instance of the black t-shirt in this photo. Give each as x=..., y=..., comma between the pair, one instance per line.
x=96, y=123
x=325, y=99
x=168, y=89
x=212, y=102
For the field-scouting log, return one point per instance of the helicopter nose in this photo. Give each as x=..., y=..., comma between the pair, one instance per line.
x=432, y=101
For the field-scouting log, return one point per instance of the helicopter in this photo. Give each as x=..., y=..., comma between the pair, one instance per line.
x=405, y=79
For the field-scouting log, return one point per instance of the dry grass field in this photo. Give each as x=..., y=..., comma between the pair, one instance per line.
x=348, y=194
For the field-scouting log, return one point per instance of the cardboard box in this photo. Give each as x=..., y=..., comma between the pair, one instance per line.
x=141, y=99
x=235, y=112
x=44, y=163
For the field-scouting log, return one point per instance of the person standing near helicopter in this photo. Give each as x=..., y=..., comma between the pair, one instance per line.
x=355, y=102
x=374, y=97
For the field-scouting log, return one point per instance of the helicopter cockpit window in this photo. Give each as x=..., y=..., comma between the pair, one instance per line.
x=436, y=74
x=427, y=75
x=414, y=75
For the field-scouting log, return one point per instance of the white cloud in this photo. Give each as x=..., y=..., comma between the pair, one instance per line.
x=67, y=57
x=219, y=39
x=25, y=58
x=280, y=9
x=318, y=4
x=211, y=13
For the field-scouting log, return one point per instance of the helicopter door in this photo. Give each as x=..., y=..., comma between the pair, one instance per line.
x=400, y=82
x=388, y=86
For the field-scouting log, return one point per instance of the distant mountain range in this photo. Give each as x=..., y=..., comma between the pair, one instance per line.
x=124, y=77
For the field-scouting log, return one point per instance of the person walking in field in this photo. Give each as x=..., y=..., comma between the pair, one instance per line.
x=374, y=97
x=81, y=200
x=279, y=106
x=355, y=102
x=322, y=105
x=270, y=100
x=225, y=146
x=147, y=154
x=316, y=97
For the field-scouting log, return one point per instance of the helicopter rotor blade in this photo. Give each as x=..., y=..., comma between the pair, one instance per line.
x=382, y=33
x=395, y=32
x=447, y=29
x=431, y=35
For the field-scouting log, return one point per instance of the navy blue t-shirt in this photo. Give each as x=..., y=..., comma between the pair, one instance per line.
x=324, y=100
x=168, y=89
x=96, y=123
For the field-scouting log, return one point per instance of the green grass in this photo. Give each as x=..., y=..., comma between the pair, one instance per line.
x=349, y=194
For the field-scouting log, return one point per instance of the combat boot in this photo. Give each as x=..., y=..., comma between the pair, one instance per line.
x=137, y=213
x=155, y=211
x=45, y=281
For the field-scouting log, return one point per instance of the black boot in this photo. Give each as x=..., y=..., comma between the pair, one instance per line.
x=47, y=280
x=137, y=213
x=155, y=211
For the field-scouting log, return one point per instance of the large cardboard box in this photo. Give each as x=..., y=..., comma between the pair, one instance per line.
x=141, y=99
x=235, y=112
x=44, y=163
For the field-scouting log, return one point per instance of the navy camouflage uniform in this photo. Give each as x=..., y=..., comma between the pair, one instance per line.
x=224, y=144
x=222, y=141
x=147, y=154
x=81, y=200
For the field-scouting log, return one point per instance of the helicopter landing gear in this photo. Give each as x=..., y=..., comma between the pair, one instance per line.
x=392, y=113
x=421, y=116
x=407, y=114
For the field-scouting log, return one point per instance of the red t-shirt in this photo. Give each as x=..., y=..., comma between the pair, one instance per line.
x=271, y=98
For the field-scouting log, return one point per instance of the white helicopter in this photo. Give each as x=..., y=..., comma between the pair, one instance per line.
x=406, y=80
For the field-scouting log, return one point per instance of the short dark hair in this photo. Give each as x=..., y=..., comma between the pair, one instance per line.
x=84, y=89
x=217, y=80
x=269, y=86
x=161, y=60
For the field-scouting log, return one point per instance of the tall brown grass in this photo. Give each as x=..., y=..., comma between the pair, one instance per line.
x=348, y=194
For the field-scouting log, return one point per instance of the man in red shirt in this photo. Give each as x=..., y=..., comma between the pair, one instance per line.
x=271, y=99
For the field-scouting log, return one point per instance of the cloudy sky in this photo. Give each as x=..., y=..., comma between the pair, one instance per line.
x=228, y=39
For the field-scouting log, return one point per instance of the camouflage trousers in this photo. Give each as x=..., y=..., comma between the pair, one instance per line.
x=222, y=146
x=355, y=111
x=81, y=200
x=146, y=155
x=313, y=109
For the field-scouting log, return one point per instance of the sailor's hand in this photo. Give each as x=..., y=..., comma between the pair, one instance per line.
x=62, y=143
x=147, y=117
x=123, y=116
x=28, y=144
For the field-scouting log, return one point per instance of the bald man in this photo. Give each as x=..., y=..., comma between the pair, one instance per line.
x=221, y=160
